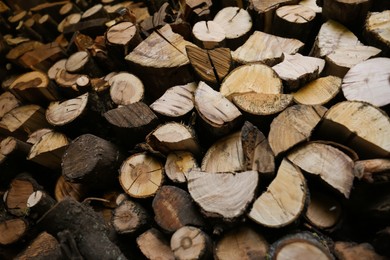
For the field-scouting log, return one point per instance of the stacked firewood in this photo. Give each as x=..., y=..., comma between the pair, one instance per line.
x=195, y=129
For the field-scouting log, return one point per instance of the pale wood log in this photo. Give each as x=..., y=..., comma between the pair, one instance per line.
x=94, y=12
x=68, y=20
x=344, y=123
x=93, y=28
x=154, y=245
x=48, y=151
x=35, y=136
x=15, y=53
x=218, y=114
x=38, y=203
x=69, y=8
x=262, y=104
x=225, y=155
x=23, y=120
x=293, y=126
x=122, y=38
x=158, y=19
x=92, y=161
x=178, y=165
x=376, y=30
x=342, y=59
x=373, y=171
x=293, y=21
x=257, y=152
x=191, y=243
x=212, y=66
x=176, y=102
x=8, y=102
x=297, y=70
x=55, y=68
x=12, y=231
x=319, y=91
x=254, y=77
x=141, y=175
x=82, y=62
x=242, y=243
x=126, y=88
x=173, y=136
x=194, y=10
x=174, y=208
x=302, y=245
x=351, y=250
x=208, y=34
x=43, y=246
x=331, y=36
x=71, y=84
x=237, y=24
x=284, y=200
x=368, y=81
x=65, y=189
x=223, y=195
x=266, y=48
x=312, y=4
x=129, y=217
x=34, y=87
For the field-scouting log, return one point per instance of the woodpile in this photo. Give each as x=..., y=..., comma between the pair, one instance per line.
x=195, y=129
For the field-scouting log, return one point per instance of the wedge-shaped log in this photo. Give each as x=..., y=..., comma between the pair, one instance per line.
x=319, y=91
x=376, y=30
x=154, y=245
x=178, y=165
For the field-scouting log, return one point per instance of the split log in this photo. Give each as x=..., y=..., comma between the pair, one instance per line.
x=154, y=245
x=43, y=246
x=284, y=200
x=163, y=16
x=129, y=217
x=298, y=121
x=23, y=120
x=297, y=70
x=223, y=195
x=342, y=59
x=241, y=243
x=300, y=246
x=92, y=161
x=178, y=164
x=208, y=34
x=319, y=91
x=38, y=203
x=266, y=48
x=69, y=8
x=95, y=12
x=237, y=24
x=135, y=120
x=375, y=30
x=12, y=231
x=141, y=175
x=122, y=38
x=373, y=171
x=65, y=189
x=173, y=209
x=219, y=116
x=126, y=89
x=48, y=151
x=173, y=136
x=349, y=251
x=69, y=20
x=369, y=81
x=35, y=136
x=71, y=84
x=84, y=227
x=34, y=87
x=176, y=102
x=257, y=152
x=254, y=77
x=55, y=68
x=312, y=4
x=191, y=243
x=212, y=66
x=82, y=62
x=160, y=58
x=343, y=123
x=8, y=102
x=294, y=21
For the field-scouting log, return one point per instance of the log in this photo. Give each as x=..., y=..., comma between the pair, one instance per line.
x=319, y=91
x=43, y=246
x=241, y=243
x=375, y=30
x=84, y=227
x=8, y=102
x=372, y=171
x=92, y=161
x=34, y=87
x=12, y=231
x=223, y=195
x=126, y=89
x=173, y=209
x=92, y=27
x=129, y=217
x=35, y=136
x=349, y=251
x=16, y=52
x=178, y=165
x=237, y=24
x=69, y=8
x=82, y=62
x=270, y=51
x=95, y=12
x=71, y=84
x=176, y=102
x=141, y=175
x=160, y=18
x=194, y=10
x=298, y=121
x=69, y=20
x=343, y=123
x=38, y=203
x=313, y=5
x=208, y=34
x=219, y=115
x=284, y=200
x=191, y=243
x=154, y=245
x=368, y=81
x=55, y=68
x=247, y=78
x=122, y=38
x=64, y=189
x=297, y=70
